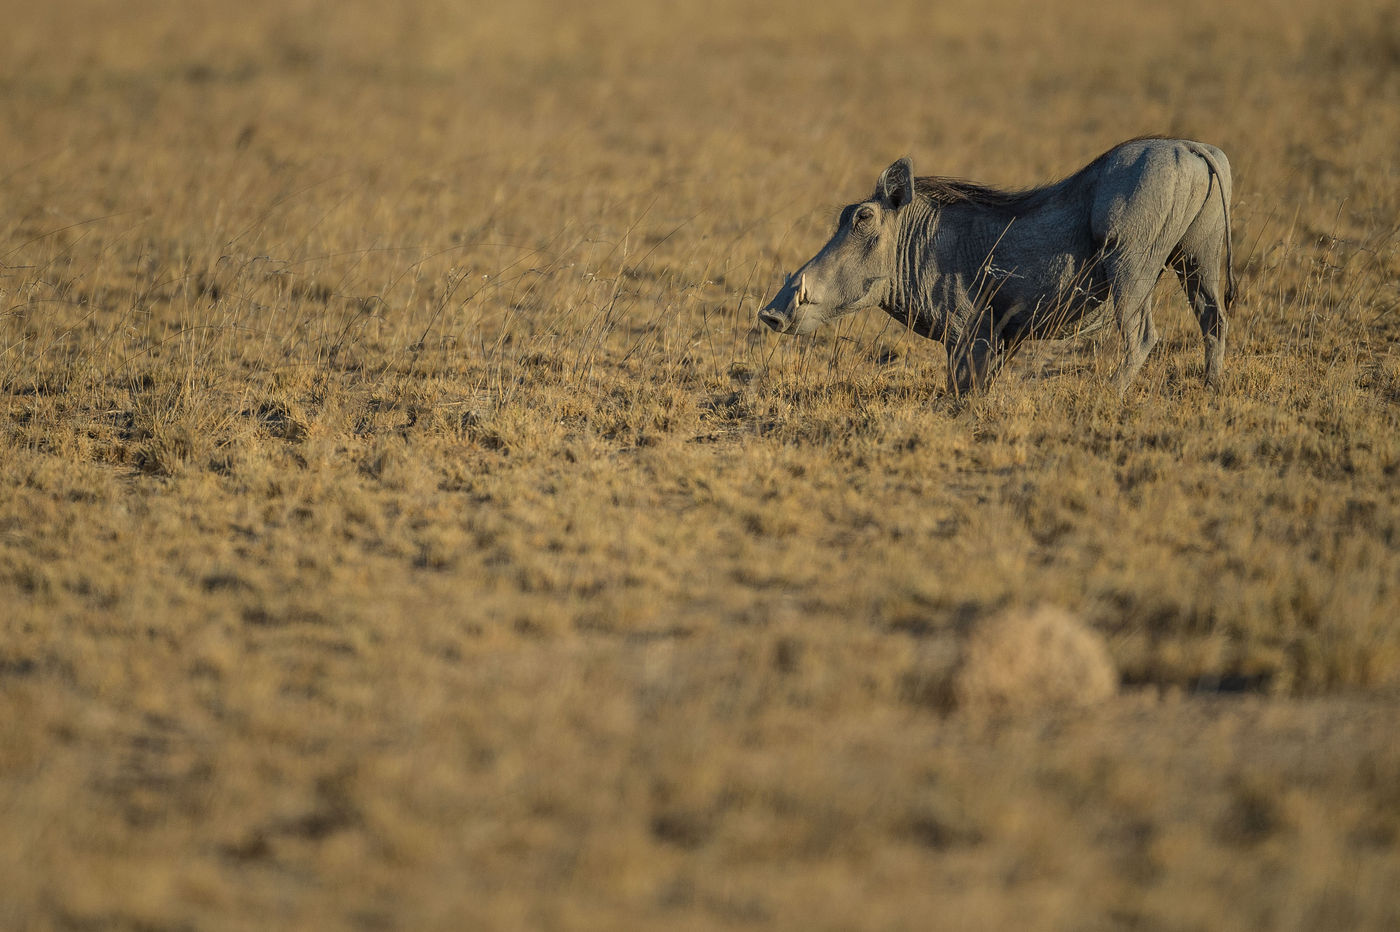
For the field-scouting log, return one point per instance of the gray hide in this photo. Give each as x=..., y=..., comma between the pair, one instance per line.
x=984, y=270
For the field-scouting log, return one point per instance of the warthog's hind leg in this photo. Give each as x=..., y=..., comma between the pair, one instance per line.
x=1202, y=285
x=1132, y=304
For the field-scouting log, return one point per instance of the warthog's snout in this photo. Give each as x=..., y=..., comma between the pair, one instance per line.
x=780, y=314
x=774, y=319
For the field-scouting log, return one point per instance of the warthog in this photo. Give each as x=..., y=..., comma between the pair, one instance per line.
x=983, y=270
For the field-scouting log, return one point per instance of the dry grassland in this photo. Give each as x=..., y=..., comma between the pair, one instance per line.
x=401, y=527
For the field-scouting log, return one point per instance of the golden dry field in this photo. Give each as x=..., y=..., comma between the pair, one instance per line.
x=404, y=527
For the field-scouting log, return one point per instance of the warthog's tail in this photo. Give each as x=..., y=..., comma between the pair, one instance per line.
x=1220, y=178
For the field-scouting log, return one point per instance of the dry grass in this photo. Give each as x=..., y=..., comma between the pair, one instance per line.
x=1023, y=661
x=401, y=527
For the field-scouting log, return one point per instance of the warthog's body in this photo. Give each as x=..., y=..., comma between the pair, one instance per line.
x=984, y=270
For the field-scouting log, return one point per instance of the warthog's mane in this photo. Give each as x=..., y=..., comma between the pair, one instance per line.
x=943, y=191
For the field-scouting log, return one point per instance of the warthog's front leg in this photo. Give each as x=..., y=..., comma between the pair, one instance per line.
x=975, y=358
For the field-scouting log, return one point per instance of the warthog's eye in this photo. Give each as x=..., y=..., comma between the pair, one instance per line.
x=863, y=218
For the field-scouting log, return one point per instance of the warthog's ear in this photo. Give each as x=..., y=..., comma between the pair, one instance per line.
x=896, y=185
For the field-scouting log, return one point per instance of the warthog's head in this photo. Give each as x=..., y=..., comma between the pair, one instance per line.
x=855, y=269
